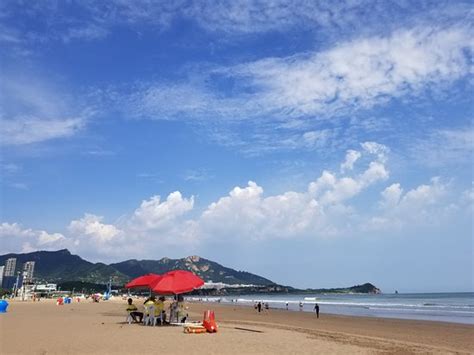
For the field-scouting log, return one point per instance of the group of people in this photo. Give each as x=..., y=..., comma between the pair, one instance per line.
x=176, y=309
x=259, y=306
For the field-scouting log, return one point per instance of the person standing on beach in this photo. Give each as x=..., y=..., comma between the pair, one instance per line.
x=301, y=306
x=286, y=305
x=316, y=309
x=259, y=307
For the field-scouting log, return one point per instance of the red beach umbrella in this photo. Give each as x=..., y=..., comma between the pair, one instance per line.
x=176, y=282
x=147, y=280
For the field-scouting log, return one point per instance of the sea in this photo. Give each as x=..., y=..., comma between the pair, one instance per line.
x=445, y=307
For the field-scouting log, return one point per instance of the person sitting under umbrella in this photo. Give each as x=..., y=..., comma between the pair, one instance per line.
x=133, y=311
x=160, y=309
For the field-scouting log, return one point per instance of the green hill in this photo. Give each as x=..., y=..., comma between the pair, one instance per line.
x=61, y=265
x=206, y=269
x=65, y=268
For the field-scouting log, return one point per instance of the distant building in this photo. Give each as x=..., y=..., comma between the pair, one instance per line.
x=8, y=282
x=46, y=288
x=10, y=267
x=28, y=272
x=2, y=268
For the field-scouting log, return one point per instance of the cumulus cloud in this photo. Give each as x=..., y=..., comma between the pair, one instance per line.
x=351, y=157
x=155, y=214
x=248, y=215
x=91, y=226
x=330, y=189
x=424, y=204
x=391, y=195
x=15, y=238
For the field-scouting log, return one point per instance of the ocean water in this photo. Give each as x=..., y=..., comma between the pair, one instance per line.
x=447, y=307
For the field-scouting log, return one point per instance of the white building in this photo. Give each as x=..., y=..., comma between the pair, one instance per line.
x=10, y=267
x=46, y=288
x=2, y=268
x=28, y=272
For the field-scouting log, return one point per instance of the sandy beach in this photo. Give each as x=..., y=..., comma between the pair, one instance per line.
x=85, y=327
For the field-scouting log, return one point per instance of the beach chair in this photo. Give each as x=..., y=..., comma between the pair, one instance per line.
x=149, y=316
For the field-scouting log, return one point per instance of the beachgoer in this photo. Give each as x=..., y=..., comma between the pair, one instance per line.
x=286, y=305
x=316, y=309
x=133, y=310
x=301, y=306
x=174, y=312
x=259, y=307
x=150, y=301
x=160, y=308
x=267, y=307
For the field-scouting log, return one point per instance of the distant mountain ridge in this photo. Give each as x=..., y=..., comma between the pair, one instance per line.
x=206, y=269
x=61, y=265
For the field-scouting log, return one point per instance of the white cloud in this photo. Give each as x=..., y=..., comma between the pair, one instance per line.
x=91, y=226
x=289, y=102
x=154, y=213
x=45, y=238
x=425, y=204
x=247, y=215
x=92, y=20
x=32, y=111
x=332, y=190
x=320, y=211
x=351, y=157
x=423, y=195
x=13, y=237
x=359, y=73
x=468, y=194
x=27, y=130
x=391, y=195
x=444, y=147
x=376, y=148
x=197, y=175
x=15, y=230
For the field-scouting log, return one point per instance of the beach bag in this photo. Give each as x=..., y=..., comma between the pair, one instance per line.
x=209, y=321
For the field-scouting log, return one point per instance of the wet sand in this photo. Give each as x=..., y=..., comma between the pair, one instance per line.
x=88, y=328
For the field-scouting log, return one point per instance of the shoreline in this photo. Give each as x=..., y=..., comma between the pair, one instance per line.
x=237, y=304
x=366, y=307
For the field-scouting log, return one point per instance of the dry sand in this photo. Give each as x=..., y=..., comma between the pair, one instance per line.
x=44, y=328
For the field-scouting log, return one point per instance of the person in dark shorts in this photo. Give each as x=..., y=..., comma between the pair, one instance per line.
x=133, y=310
x=316, y=309
x=259, y=307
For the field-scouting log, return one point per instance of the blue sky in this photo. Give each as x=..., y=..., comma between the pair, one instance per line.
x=319, y=144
